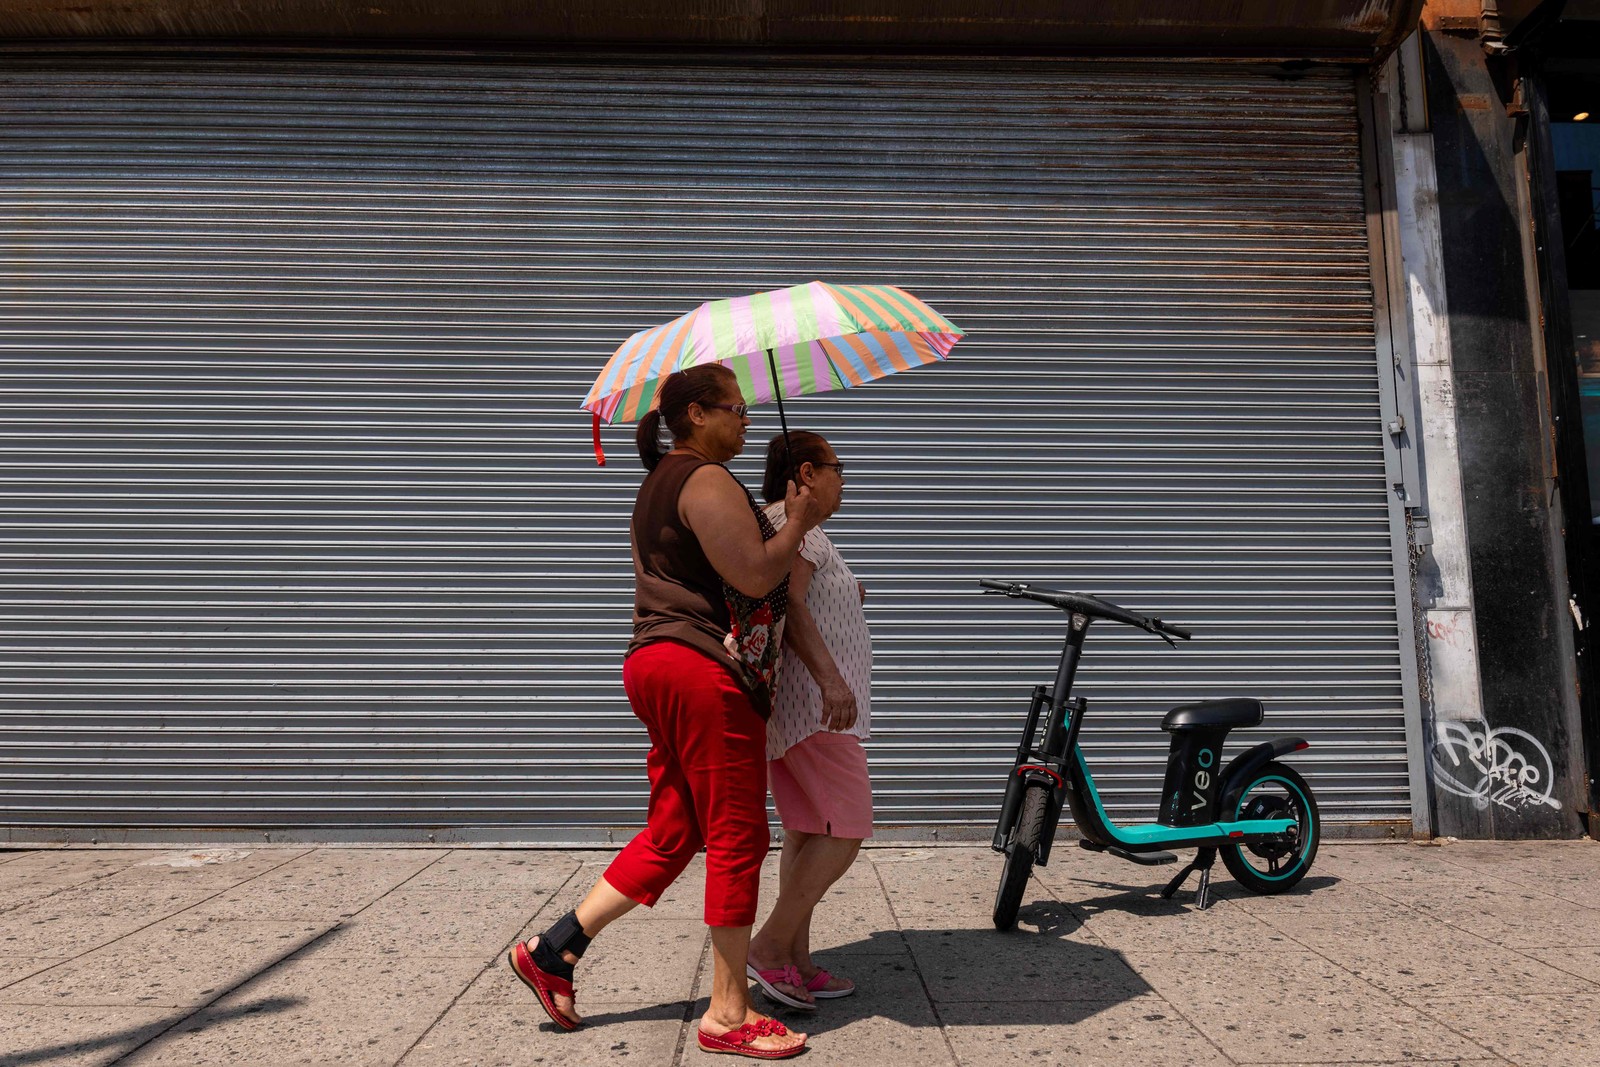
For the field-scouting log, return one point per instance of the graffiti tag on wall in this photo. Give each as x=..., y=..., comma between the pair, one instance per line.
x=1503, y=766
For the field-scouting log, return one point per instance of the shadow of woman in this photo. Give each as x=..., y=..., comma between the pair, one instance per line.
x=927, y=974
x=1048, y=971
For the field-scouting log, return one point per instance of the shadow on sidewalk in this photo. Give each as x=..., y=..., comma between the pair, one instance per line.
x=142, y=1034
x=977, y=976
x=1147, y=900
x=668, y=1011
x=970, y=975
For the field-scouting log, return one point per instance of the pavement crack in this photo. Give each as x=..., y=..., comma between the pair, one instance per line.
x=694, y=999
x=916, y=968
x=240, y=984
x=1398, y=998
x=293, y=952
x=487, y=967
x=146, y=926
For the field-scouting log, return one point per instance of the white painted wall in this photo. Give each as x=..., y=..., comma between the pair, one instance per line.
x=1446, y=591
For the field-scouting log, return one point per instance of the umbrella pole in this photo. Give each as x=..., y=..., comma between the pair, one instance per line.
x=783, y=420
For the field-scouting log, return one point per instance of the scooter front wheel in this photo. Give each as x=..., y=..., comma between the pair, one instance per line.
x=1275, y=792
x=1019, y=857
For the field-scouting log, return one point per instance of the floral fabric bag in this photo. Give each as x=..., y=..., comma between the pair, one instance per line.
x=756, y=628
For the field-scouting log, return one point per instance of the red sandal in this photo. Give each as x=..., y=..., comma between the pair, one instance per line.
x=542, y=982
x=737, y=1041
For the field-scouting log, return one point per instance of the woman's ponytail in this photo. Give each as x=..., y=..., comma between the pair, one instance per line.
x=697, y=385
x=649, y=439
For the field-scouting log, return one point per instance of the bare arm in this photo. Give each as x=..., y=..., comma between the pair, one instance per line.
x=800, y=633
x=714, y=506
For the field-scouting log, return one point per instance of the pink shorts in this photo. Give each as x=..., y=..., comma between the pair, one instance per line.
x=820, y=786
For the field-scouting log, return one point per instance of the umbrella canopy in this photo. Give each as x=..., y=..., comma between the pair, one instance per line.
x=809, y=338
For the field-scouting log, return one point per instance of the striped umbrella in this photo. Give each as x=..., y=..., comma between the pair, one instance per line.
x=809, y=338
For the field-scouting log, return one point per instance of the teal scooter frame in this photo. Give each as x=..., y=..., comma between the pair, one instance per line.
x=1258, y=814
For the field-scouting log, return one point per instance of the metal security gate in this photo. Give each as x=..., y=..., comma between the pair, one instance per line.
x=301, y=529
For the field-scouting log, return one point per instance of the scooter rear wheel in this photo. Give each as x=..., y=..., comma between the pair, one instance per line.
x=1276, y=792
x=1019, y=857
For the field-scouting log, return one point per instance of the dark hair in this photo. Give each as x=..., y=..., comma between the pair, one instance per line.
x=697, y=385
x=808, y=448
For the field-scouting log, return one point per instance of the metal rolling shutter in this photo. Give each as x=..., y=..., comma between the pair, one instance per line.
x=301, y=529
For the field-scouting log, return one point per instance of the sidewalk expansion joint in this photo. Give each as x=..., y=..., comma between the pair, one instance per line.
x=140, y=930
x=694, y=999
x=916, y=968
x=487, y=967
x=297, y=950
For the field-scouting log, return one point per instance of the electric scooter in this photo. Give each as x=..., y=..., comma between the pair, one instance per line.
x=1257, y=813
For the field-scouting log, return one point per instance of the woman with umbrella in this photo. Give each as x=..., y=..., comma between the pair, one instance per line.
x=711, y=592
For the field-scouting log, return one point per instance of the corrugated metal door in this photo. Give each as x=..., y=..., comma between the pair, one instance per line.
x=301, y=527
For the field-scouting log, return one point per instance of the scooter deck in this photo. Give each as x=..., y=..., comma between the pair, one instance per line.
x=1149, y=838
x=1153, y=837
x=1144, y=859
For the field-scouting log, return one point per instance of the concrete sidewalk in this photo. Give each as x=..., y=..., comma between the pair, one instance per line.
x=1482, y=953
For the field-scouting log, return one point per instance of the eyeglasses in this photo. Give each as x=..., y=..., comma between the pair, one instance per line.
x=836, y=466
x=739, y=410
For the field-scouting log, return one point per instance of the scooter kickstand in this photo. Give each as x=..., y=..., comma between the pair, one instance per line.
x=1178, y=879
x=1202, y=862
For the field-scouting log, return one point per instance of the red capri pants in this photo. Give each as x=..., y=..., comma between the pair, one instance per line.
x=708, y=783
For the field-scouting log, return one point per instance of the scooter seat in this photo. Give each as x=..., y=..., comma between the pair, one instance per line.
x=1229, y=712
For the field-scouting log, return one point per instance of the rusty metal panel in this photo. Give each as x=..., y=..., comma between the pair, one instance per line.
x=1357, y=30
x=299, y=523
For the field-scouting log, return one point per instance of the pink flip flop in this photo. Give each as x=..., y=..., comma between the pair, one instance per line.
x=769, y=978
x=822, y=978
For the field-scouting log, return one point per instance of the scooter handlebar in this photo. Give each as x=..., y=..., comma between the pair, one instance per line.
x=1085, y=604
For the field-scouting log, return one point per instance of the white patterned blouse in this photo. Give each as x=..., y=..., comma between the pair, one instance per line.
x=834, y=600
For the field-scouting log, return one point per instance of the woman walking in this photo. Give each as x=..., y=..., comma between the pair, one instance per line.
x=709, y=603
x=817, y=768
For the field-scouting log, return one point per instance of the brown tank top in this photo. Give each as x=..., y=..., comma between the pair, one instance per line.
x=678, y=594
